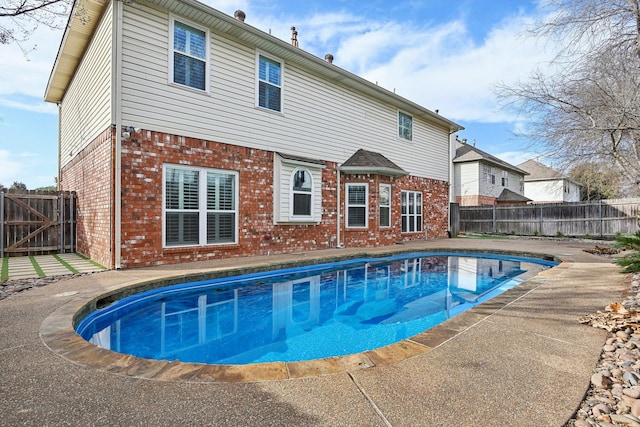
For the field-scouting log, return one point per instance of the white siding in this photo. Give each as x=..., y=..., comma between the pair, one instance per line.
x=282, y=190
x=321, y=120
x=544, y=191
x=86, y=108
x=467, y=179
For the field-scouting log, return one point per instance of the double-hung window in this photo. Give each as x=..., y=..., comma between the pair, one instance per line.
x=411, y=211
x=189, y=46
x=405, y=126
x=200, y=206
x=385, y=205
x=269, y=83
x=357, y=196
x=302, y=186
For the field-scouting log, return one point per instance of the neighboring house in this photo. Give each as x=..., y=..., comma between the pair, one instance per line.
x=545, y=185
x=483, y=179
x=191, y=135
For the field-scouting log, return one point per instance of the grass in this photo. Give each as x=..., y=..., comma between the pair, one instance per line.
x=66, y=264
x=4, y=272
x=36, y=267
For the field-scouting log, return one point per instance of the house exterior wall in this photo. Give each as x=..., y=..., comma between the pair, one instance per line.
x=142, y=216
x=223, y=129
x=544, y=191
x=320, y=119
x=90, y=174
x=552, y=191
x=85, y=111
x=473, y=189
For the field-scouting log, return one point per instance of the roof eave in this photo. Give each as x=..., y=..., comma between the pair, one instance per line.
x=356, y=170
x=77, y=35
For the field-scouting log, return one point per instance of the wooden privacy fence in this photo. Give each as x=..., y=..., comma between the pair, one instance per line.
x=37, y=223
x=601, y=218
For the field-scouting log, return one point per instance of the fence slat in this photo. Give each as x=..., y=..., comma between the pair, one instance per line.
x=604, y=218
x=34, y=223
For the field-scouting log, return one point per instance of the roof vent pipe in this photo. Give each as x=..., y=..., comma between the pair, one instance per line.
x=239, y=15
x=294, y=37
x=329, y=58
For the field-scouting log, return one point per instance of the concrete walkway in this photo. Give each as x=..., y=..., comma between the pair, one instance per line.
x=519, y=360
x=26, y=267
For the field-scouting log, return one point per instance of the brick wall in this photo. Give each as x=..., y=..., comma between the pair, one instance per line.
x=143, y=157
x=90, y=175
x=475, y=200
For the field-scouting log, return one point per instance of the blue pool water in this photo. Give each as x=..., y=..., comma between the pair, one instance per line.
x=303, y=313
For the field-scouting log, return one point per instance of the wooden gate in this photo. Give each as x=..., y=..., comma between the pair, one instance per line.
x=37, y=223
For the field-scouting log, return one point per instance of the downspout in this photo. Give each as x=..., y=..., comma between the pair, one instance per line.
x=116, y=92
x=338, y=244
x=59, y=180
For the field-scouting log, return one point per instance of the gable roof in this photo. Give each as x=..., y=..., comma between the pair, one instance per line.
x=363, y=161
x=539, y=172
x=511, y=196
x=81, y=27
x=467, y=153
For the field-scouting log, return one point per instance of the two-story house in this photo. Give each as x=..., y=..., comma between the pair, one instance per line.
x=189, y=134
x=483, y=179
x=546, y=185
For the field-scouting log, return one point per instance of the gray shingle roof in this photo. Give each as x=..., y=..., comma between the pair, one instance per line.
x=363, y=161
x=469, y=153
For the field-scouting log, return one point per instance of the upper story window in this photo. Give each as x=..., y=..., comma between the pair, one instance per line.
x=190, y=47
x=505, y=178
x=200, y=206
x=302, y=186
x=405, y=126
x=489, y=174
x=269, y=83
x=357, y=196
x=385, y=205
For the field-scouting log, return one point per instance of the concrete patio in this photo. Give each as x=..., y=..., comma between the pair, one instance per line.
x=521, y=359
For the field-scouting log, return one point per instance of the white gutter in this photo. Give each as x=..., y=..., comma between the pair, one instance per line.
x=116, y=92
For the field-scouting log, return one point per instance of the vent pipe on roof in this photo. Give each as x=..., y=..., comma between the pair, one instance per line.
x=239, y=15
x=329, y=58
x=294, y=37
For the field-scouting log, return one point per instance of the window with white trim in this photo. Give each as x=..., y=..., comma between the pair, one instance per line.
x=385, y=205
x=297, y=190
x=505, y=179
x=357, y=197
x=269, y=83
x=200, y=206
x=411, y=211
x=405, y=126
x=302, y=192
x=190, y=59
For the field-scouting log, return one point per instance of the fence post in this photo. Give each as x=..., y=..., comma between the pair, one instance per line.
x=72, y=220
x=601, y=222
x=541, y=221
x=494, y=221
x=61, y=222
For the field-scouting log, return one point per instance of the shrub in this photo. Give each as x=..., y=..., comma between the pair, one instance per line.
x=631, y=262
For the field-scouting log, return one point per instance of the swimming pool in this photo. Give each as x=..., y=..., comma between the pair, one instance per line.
x=303, y=313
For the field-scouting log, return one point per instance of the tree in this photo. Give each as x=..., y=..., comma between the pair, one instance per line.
x=586, y=104
x=18, y=186
x=598, y=182
x=22, y=17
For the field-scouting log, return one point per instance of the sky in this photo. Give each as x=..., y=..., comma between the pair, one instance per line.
x=446, y=55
